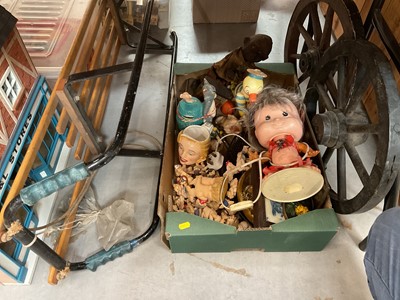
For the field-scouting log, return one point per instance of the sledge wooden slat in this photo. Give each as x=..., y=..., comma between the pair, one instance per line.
x=74, y=51
x=117, y=22
x=30, y=155
x=97, y=122
x=82, y=124
x=83, y=59
x=63, y=241
x=88, y=84
x=98, y=89
x=37, y=139
x=61, y=246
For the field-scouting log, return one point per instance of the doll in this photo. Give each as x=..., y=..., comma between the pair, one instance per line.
x=276, y=119
x=193, y=144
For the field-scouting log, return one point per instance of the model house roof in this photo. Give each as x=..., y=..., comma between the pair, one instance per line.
x=7, y=24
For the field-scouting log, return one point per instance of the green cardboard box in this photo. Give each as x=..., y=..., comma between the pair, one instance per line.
x=184, y=233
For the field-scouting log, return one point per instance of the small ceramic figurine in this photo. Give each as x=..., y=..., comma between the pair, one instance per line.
x=189, y=111
x=206, y=190
x=229, y=124
x=251, y=86
x=193, y=144
x=277, y=118
x=199, y=193
x=209, y=101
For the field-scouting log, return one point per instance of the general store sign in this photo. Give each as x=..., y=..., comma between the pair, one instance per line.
x=17, y=143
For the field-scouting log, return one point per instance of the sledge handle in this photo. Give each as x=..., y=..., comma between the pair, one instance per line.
x=47, y=186
x=102, y=257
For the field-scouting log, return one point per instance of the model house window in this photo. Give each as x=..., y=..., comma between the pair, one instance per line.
x=10, y=87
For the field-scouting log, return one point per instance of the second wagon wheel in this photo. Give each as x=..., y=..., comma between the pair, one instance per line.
x=353, y=103
x=310, y=32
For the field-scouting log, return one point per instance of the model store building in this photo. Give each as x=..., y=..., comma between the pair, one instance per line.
x=23, y=98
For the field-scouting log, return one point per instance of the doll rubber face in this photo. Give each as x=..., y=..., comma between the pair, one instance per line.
x=189, y=151
x=193, y=144
x=275, y=121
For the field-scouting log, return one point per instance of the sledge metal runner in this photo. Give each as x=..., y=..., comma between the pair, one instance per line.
x=32, y=194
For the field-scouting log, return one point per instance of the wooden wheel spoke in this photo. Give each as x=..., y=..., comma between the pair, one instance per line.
x=364, y=128
x=358, y=88
x=327, y=32
x=331, y=86
x=307, y=37
x=358, y=164
x=295, y=56
x=351, y=76
x=316, y=25
x=324, y=97
x=341, y=173
x=341, y=83
x=304, y=76
x=327, y=156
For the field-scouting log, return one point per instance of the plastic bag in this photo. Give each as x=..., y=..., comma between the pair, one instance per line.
x=86, y=214
x=115, y=223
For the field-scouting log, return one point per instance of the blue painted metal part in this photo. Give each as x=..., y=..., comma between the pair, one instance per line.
x=33, y=193
x=102, y=257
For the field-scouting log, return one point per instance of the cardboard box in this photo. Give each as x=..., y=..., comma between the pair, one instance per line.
x=309, y=232
x=226, y=11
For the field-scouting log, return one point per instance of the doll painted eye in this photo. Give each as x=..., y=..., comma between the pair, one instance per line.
x=285, y=114
x=267, y=118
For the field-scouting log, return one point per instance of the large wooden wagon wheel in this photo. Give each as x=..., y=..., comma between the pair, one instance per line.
x=353, y=103
x=309, y=33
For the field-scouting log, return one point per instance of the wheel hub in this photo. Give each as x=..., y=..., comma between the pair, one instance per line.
x=330, y=128
x=308, y=60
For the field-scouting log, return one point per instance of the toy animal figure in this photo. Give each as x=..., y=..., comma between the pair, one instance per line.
x=209, y=101
x=251, y=86
x=232, y=68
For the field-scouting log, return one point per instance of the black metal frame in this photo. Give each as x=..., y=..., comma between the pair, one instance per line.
x=32, y=194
